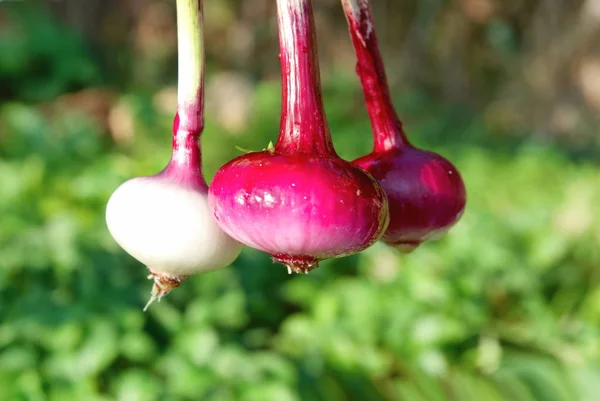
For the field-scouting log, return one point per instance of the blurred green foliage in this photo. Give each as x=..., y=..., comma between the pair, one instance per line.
x=505, y=307
x=32, y=68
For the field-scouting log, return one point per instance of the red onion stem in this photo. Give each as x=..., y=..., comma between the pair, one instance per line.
x=303, y=125
x=387, y=128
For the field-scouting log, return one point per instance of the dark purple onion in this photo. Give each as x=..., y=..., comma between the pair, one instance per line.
x=425, y=191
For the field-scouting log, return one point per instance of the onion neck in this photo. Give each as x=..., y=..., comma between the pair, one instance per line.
x=185, y=166
x=303, y=127
x=388, y=132
x=186, y=160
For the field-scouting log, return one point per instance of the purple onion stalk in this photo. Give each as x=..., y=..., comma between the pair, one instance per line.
x=299, y=201
x=425, y=191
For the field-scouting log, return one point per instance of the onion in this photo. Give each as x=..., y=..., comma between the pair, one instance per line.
x=426, y=192
x=164, y=220
x=298, y=201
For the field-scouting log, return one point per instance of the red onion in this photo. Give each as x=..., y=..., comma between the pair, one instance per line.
x=299, y=201
x=425, y=191
x=164, y=220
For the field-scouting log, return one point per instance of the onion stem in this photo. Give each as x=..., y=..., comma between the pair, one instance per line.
x=386, y=126
x=189, y=121
x=303, y=124
x=190, y=48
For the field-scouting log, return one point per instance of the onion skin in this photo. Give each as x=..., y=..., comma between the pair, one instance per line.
x=426, y=194
x=425, y=191
x=298, y=206
x=166, y=224
x=299, y=201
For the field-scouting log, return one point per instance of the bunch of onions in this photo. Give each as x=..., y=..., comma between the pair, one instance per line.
x=426, y=192
x=298, y=201
x=164, y=220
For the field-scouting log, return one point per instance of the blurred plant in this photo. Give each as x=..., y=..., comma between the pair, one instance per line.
x=40, y=59
x=506, y=307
